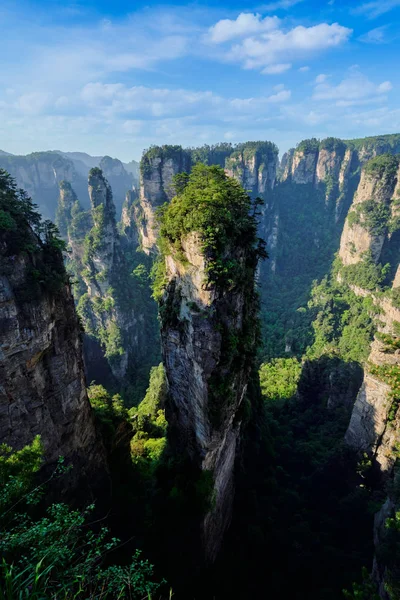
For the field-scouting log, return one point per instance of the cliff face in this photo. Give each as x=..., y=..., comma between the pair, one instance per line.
x=207, y=366
x=370, y=227
x=128, y=219
x=157, y=169
x=42, y=388
x=370, y=240
x=254, y=167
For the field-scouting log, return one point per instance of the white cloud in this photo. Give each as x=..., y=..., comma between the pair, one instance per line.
x=278, y=47
x=276, y=69
x=304, y=69
x=245, y=24
x=354, y=89
x=384, y=87
x=376, y=8
x=32, y=103
x=321, y=78
x=279, y=87
x=374, y=36
x=114, y=100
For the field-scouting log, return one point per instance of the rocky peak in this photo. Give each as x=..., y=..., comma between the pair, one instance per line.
x=66, y=202
x=119, y=179
x=40, y=174
x=209, y=323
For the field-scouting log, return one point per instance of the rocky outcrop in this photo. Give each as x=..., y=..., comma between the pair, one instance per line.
x=373, y=427
x=304, y=166
x=371, y=234
x=203, y=426
x=42, y=390
x=66, y=202
x=208, y=338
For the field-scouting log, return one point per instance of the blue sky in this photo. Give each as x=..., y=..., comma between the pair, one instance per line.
x=114, y=77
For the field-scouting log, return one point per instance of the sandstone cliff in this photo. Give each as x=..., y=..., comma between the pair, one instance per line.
x=208, y=340
x=42, y=388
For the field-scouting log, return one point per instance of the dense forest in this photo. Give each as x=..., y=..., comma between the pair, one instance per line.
x=201, y=390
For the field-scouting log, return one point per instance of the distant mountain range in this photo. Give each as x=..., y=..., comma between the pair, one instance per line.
x=40, y=174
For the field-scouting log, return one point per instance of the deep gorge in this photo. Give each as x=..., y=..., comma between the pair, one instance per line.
x=262, y=458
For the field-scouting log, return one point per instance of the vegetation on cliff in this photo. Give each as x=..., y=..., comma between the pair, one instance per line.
x=217, y=208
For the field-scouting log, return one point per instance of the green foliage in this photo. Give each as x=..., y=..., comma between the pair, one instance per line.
x=333, y=145
x=279, y=378
x=365, y=273
x=371, y=215
x=307, y=225
x=390, y=374
x=217, y=208
x=306, y=146
x=57, y=554
x=389, y=555
x=81, y=222
x=383, y=167
x=17, y=470
x=344, y=323
x=378, y=143
x=391, y=344
x=23, y=231
x=394, y=295
x=366, y=590
x=149, y=424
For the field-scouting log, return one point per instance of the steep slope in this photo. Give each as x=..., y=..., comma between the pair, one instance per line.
x=43, y=383
x=208, y=308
